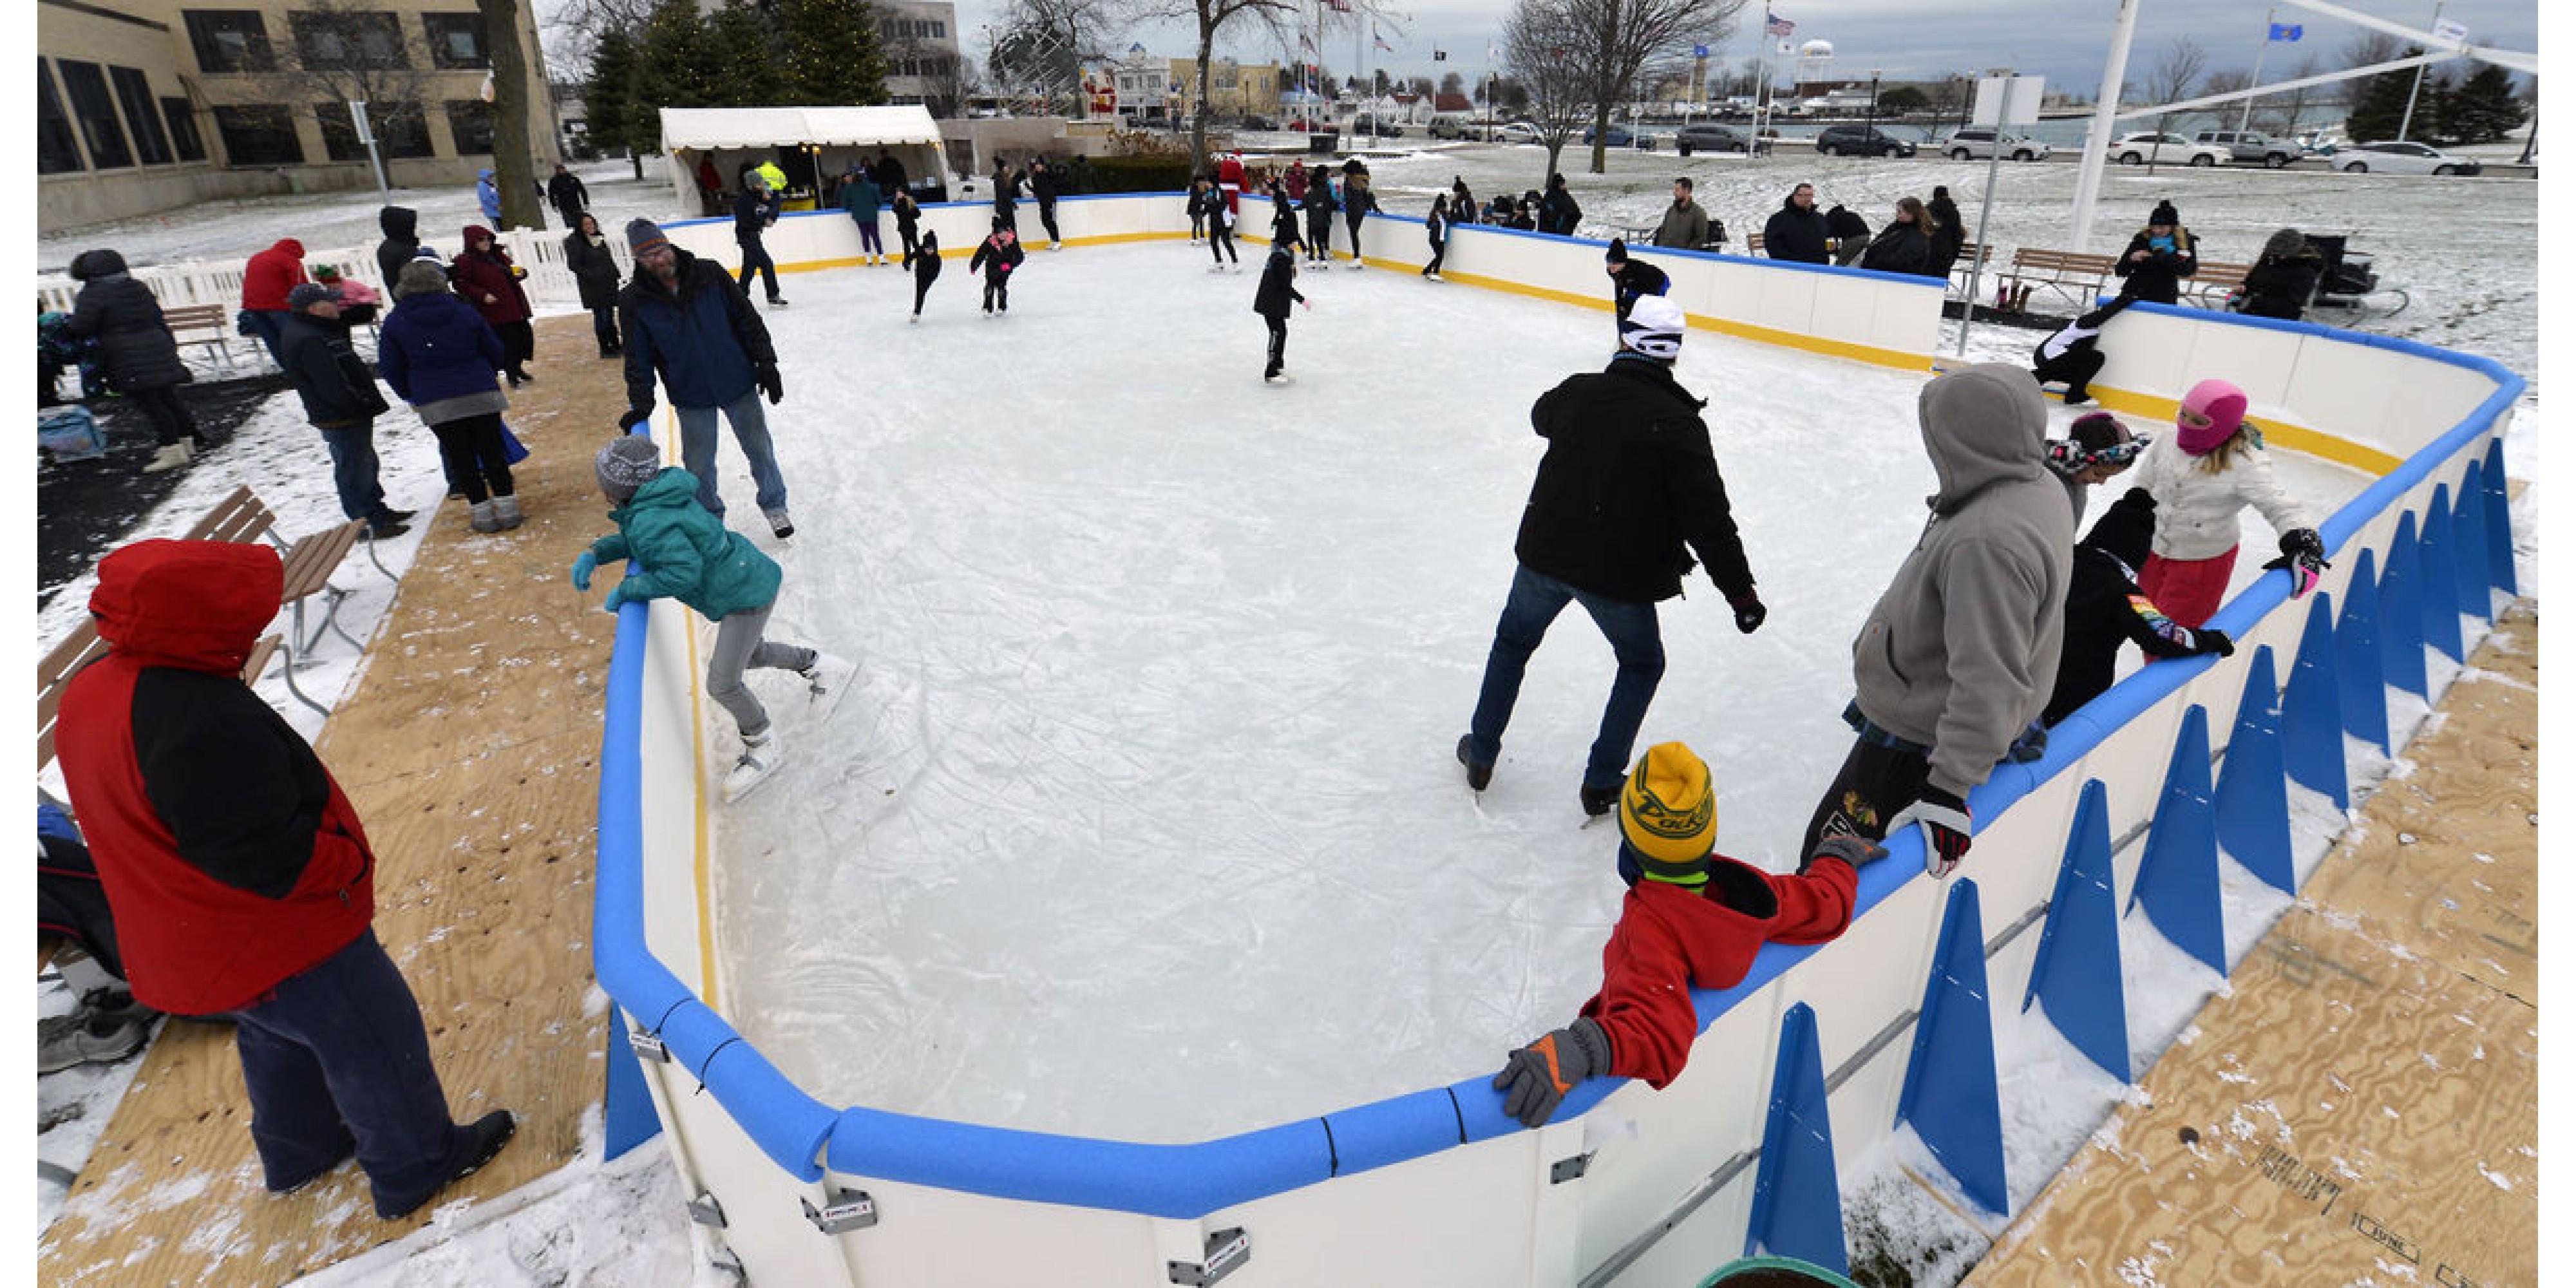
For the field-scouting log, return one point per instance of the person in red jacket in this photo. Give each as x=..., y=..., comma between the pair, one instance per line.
x=1693, y=918
x=241, y=881
x=486, y=279
x=266, y=279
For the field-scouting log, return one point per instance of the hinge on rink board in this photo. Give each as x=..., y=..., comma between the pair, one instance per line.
x=706, y=1211
x=849, y=1210
x=649, y=1046
x=1567, y=1169
x=1227, y=1250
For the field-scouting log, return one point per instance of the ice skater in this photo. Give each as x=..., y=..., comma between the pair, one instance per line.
x=1319, y=215
x=1357, y=202
x=1436, y=227
x=1197, y=205
x=924, y=261
x=997, y=256
x=907, y=223
x=2073, y=353
x=688, y=554
x=2213, y=467
x=1283, y=216
x=2105, y=607
x=1270, y=300
x=1220, y=225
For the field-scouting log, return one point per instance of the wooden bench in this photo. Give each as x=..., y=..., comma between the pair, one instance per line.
x=310, y=560
x=2213, y=283
x=209, y=325
x=82, y=647
x=2073, y=274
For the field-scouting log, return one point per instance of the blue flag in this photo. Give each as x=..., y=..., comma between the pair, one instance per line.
x=2284, y=32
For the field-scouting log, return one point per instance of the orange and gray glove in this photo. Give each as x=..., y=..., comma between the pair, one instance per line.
x=1536, y=1077
x=1854, y=850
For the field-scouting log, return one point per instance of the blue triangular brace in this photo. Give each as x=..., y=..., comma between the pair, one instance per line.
x=1951, y=1095
x=2401, y=612
x=2499, y=521
x=2469, y=530
x=627, y=1118
x=1797, y=1202
x=2357, y=657
x=2178, y=876
x=2441, y=571
x=2253, y=805
x=2312, y=709
x=2076, y=975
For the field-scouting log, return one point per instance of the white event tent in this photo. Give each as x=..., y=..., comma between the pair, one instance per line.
x=827, y=138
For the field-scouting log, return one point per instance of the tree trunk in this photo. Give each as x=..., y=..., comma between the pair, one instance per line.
x=1198, y=119
x=513, y=169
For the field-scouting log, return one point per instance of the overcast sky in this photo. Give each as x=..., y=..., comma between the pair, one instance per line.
x=2063, y=40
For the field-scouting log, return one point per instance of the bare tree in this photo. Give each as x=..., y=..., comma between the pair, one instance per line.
x=2294, y=102
x=512, y=168
x=1539, y=41
x=2174, y=78
x=1212, y=16
x=1609, y=43
x=350, y=51
x=1039, y=45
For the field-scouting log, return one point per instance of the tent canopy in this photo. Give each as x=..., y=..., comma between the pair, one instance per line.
x=708, y=128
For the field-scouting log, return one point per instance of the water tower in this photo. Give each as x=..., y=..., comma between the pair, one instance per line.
x=1815, y=62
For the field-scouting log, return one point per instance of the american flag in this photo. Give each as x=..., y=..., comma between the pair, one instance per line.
x=1775, y=26
x=1379, y=39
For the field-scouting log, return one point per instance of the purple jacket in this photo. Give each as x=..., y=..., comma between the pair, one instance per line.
x=434, y=346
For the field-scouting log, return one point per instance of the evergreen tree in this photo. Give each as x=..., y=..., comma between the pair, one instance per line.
x=2480, y=109
x=2381, y=104
x=608, y=96
x=827, y=53
x=674, y=67
x=744, y=70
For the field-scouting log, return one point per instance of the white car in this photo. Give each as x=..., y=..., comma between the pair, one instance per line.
x=1517, y=132
x=2399, y=158
x=1981, y=142
x=2174, y=149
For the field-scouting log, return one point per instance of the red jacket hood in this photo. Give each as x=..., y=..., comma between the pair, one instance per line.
x=195, y=605
x=291, y=247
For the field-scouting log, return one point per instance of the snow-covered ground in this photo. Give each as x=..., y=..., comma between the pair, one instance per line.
x=1165, y=664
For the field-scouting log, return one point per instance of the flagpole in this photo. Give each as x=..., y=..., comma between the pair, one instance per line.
x=2246, y=113
x=2409, y=119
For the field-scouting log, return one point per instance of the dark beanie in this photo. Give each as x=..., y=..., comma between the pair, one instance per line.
x=2127, y=530
x=307, y=294
x=2164, y=213
x=1940, y=191
x=1618, y=252
x=643, y=235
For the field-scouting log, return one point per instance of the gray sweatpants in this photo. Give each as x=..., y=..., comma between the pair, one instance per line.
x=739, y=647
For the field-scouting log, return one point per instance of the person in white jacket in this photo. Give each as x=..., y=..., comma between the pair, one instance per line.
x=2210, y=469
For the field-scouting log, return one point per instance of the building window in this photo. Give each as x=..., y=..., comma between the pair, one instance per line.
x=230, y=40
x=346, y=39
x=456, y=40
x=182, y=121
x=939, y=31
x=470, y=120
x=95, y=111
x=402, y=129
x=135, y=93
x=339, y=132
x=57, y=151
x=262, y=135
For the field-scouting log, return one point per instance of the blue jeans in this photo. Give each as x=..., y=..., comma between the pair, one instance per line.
x=751, y=430
x=353, y=469
x=269, y=325
x=1635, y=640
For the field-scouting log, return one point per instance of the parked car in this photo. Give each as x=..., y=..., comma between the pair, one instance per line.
x=1251, y=122
x=2399, y=158
x=1980, y=141
x=1448, y=127
x=2170, y=149
x=2251, y=147
x=1860, y=141
x=1708, y=137
x=1365, y=123
x=1518, y=132
x=1620, y=136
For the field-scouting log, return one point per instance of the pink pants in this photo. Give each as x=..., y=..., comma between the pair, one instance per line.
x=2187, y=590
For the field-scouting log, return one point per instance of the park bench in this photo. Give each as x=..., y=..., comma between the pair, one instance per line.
x=310, y=560
x=2077, y=276
x=82, y=647
x=2213, y=283
x=209, y=325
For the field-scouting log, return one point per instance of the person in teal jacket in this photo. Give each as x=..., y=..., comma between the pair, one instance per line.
x=682, y=551
x=860, y=196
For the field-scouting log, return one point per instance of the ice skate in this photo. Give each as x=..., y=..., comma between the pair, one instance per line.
x=780, y=526
x=778, y=301
x=827, y=681
x=759, y=760
x=1278, y=378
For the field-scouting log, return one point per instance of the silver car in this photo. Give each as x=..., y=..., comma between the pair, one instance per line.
x=2399, y=158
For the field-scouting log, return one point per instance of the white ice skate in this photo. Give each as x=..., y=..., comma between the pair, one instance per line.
x=826, y=683
x=759, y=760
x=1279, y=378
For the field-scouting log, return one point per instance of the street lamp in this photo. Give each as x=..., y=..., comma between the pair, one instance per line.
x=1873, y=96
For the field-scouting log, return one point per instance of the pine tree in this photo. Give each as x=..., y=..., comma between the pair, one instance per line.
x=608, y=96
x=2480, y=109
x=743, y=67
x=673, y=68
x=827, y=53
x=2381, y=105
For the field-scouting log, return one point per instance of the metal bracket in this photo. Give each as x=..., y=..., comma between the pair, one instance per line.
x=649, y=1046
x=706, y=1211
x=1567, y=1169
x=1227, y=1251
x=849, y=1210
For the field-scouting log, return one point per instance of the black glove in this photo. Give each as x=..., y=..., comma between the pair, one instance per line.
x=1854, y=850
x=1536, y=1077
x=766, y=375
x=634, y=416
x=1749, y=612
x=2303, y=556
x=2030, y=746
x=1945, y=823
x=2210, y=641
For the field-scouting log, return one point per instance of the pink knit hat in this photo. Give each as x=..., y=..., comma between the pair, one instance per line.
x=2223, y=404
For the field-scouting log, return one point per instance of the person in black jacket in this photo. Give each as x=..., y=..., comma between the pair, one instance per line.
x=1628, y=481
x=1220, y=228
x=1796, y=231
x=1557, y=212
x=999, y=254
x=341, y=400
x=2158, y=257
x=1006, y=196
x=682, y=318
x=2280, y=284
x=1631, y=279
x=594, y=267
x=401, y=244
x=1043, y=186
x=140, y=355
x=1283, y=218
x=1270, y=300
x=754, y=210
x=907, y=223
x=1357, y=202
x=1851, y=233
x=1905, y=245
x=924, y=261
x=567, y=194
x=2073, y=353
x=2105, y=608
x=1319, y=215
x=1949, y=233
x=1435, y=226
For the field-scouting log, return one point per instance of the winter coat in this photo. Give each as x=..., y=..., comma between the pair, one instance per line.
x=1627, y=480
x=888, y=173
x=1685, y=226
x=434, y=347
x=487, y=194
x=594, y=266
x=1635, y=280
x=1949, y=241
x=1670, y=939
x=569, y=196
x=2196, y=507
x=480, y=273
x=925, y=262
x=907, y=213
x=1900, y=247
x=1796, y=235
x=1043, y=186
x=1960, y=652
x=1319, y=202
x=231, y=857
x=1357, y=201
x=702, y=335
x=1557, y=212
x=1006, y=196
x=337, y=388
x=1846, y=225
x=685, y=552
x=134, y=341
x=270, y=274
x=2157, y=278
x=1283, y=217
x=2105, y=608
x=402, y=238
x=860, y=198
x=2280, y=288
x=752, y=213
x=1278, y=287
x=1435, y=226
x=997, y=260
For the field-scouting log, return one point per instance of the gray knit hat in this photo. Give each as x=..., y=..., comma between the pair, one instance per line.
x=628, y=462
x=643, y=235
x=307, y=294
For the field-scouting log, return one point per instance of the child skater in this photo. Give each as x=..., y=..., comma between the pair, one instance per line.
x=682, y=551
x=925, y=269
x=2213, y=467
x=999, y=254
x=1437, y=228
x=1199, y=188
x=1270, y=300
x=1220, y=226
x=1283, y=216
x=2105, y=607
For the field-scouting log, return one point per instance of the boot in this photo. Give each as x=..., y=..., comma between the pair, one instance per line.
x=484, y=518
x=476, y=1143
x=505, y=511
x=758, y=761
x=170, y=456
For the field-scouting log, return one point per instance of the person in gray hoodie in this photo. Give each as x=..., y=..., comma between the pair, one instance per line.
x=1960, y=653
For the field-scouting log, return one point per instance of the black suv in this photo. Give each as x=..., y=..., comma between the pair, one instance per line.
x=1860, y=141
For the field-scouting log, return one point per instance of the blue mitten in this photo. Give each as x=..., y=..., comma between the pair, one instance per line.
x=616, y=595
x=583, y=565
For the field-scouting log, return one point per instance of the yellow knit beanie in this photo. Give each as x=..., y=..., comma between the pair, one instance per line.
x=1668, y=815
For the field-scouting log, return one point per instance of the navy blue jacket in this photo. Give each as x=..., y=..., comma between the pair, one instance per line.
x=703, y=337
x=751, y=214
x=434, y=346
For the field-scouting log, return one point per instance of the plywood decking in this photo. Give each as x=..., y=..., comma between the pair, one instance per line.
x=2363, y=1104
x=469, y=746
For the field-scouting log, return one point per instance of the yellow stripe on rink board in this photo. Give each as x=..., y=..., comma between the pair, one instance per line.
x=2297, y=438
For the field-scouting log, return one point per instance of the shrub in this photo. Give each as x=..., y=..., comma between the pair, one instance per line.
x=1135, y=174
